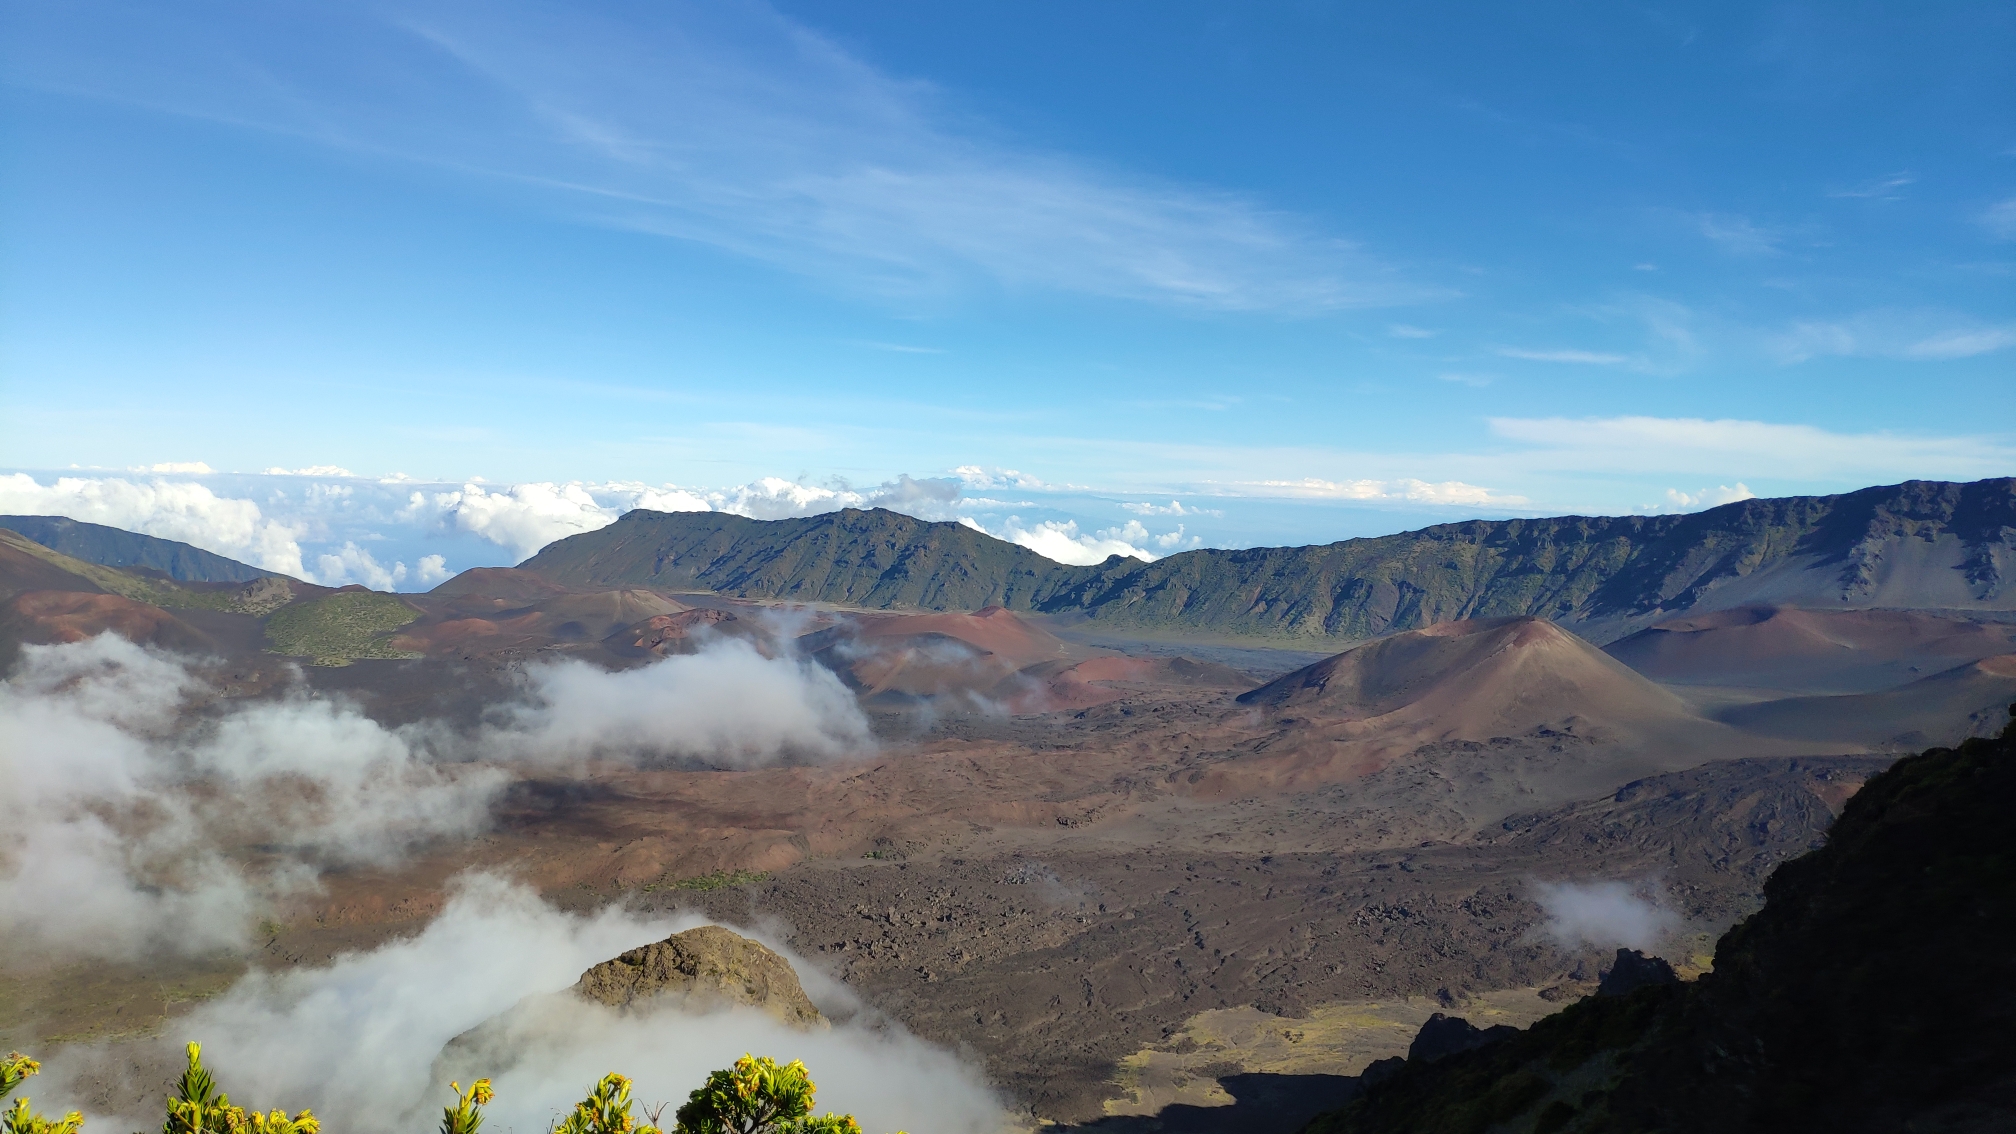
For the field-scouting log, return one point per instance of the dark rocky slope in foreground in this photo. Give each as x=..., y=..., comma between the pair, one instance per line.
x=1876, y=991
x=1921, y=544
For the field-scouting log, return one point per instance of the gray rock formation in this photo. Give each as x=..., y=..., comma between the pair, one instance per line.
x=1634, y=970
x=699, y=969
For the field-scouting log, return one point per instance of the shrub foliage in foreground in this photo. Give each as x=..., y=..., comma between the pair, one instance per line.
x=756, y=1096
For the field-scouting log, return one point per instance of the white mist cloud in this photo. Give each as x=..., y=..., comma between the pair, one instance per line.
x=358, y=1040
x=117, y=846
x=433, y=569
x=353, y=564
x=527, y=517
x=1604, y=914
x=130, y=808
x=774, y=498
x=1062, y=541
x=728, y=705
x=177, y=510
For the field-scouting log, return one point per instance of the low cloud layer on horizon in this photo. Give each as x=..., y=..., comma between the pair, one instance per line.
x=328, y=525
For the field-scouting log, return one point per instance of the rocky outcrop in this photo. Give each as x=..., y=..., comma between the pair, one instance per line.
x=1442, y=1036
x=1872, y=993
x=701, y=969
x=1632, y=971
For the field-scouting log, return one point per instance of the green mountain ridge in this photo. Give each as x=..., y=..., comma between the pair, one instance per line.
x=1920, y=544
x=117, y=547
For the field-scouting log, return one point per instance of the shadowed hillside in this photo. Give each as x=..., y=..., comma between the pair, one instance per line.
x=116, y=547
x=1871, y=993
x=1921, y=544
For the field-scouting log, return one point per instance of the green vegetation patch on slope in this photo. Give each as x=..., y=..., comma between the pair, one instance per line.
x=340, y=628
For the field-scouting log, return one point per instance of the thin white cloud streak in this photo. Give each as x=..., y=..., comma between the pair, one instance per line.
x=1738, y=235
x=1910, y=335
x=1634, y=445
x=1173, y=508
x=1408, y=490
x=975, y=476
x=1881, y=189
x=727, y=124
x=2000, y=219
x=311, y=470
x=1579, y=357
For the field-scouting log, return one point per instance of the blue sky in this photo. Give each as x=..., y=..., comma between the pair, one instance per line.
x=1286, y=273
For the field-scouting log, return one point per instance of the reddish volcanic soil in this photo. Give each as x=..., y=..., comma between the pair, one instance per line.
x=1052, y=891
x=1810, y=651
x=49, y=617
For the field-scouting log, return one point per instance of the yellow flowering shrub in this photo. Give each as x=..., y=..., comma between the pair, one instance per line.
x=756, y=1096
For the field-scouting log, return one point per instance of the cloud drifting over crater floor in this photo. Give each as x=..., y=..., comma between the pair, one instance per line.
x=144, y=823
x=361, y=1041
x=131, y=816
x=1605, y=914
x=151, y=817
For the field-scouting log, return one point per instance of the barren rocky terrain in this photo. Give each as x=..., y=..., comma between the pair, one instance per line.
x=1127, y=877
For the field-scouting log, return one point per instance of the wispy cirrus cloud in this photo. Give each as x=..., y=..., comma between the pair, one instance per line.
x=727, y=124
x=2000, y=219
x=1578, y=357
x=897, y=348
x=1739, y=235
x=1633, y=445
x=1399, y=490
x=1909, y=335
x=1881, y=189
